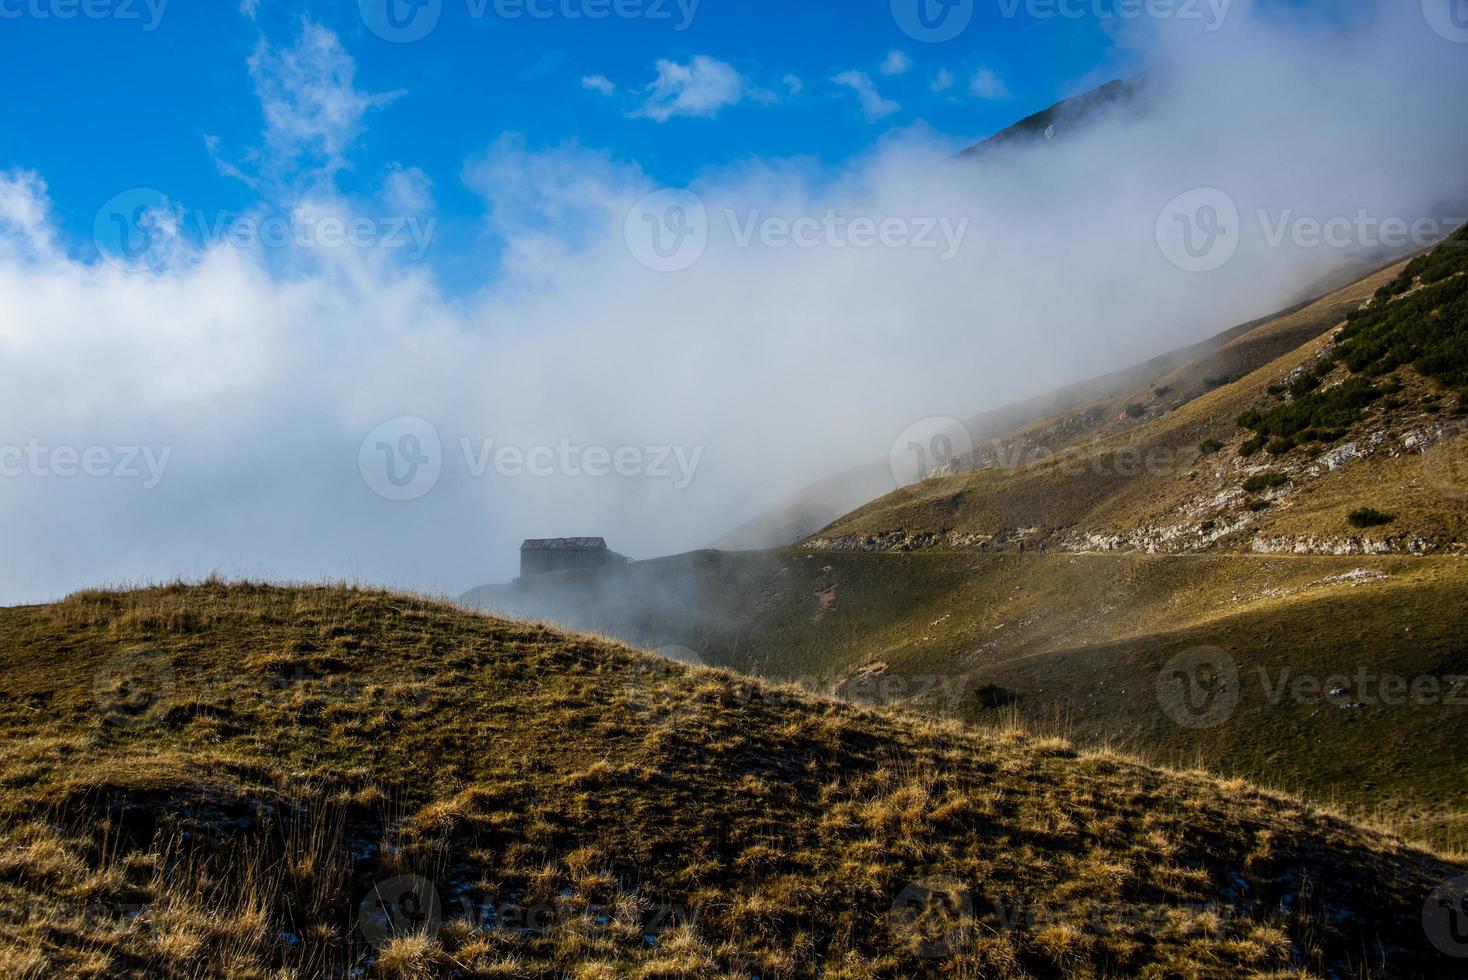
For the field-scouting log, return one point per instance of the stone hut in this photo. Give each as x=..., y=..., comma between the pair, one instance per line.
x=542, y=556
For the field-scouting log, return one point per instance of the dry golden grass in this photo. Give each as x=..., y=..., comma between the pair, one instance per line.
x=175, y=803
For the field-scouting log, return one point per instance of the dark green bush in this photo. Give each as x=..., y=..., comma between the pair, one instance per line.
x=1428, y=330
x=1305, y=384
x=1330, y=409
x=1369, y=517
x=1136, y=410
x=1209, y=446
x=1265, y=481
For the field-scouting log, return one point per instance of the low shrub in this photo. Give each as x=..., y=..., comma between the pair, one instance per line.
x=1369, y=517
x=1265, y=481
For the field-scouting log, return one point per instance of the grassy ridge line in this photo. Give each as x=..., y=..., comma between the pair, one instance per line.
x=312, y=743
x=939, y=627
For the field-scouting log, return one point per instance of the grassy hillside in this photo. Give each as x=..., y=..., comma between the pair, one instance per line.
x=1076, y=643
x=1271, y=443
x=1056, y=572
x=1068, y=417
x=255, y=781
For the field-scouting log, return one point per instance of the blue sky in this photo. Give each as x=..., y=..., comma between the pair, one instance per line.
x=97, y=105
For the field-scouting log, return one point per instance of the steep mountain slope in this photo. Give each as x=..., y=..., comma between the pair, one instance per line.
x=1279, y=459
x=1075, y=412
x=1116, y=96
x=259, y=781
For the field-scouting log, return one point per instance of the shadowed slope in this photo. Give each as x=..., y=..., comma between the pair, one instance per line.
x=237, y=767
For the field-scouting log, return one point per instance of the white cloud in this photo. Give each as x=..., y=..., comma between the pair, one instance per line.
x=313, y=109
x=24, y=214
x=943, y=80
x=599, y=83
x=897, y=62
x=264, y=381
x=699, y=88
x=873, y=106
x=407, y=190
x=793, y=84
x=987, y=85
x=249, y=7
